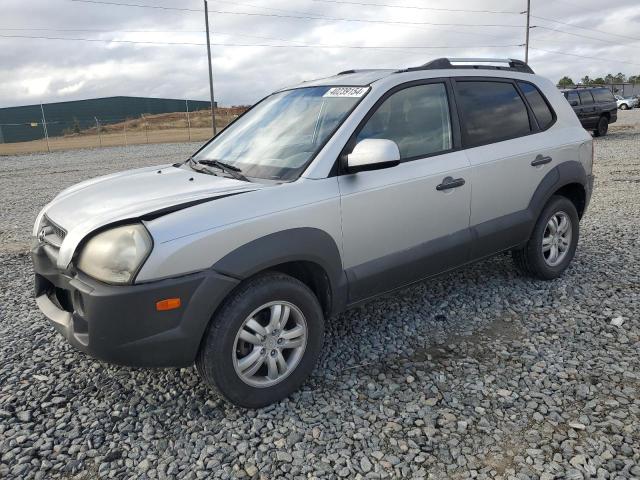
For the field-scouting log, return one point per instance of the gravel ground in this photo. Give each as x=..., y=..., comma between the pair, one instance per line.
x=479, y=374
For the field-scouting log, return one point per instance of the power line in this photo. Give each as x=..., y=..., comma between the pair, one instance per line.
x=222, y=44
x=458, y=10
x=576, y=35
x=304, y=17
x=327, y=17
x=99, y=40
x=94, y=30
x=609, y=60
x=585, y=28
x=575, y=5
x=158, y=7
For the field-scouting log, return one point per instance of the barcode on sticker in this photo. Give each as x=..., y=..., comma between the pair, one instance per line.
x=346, y=92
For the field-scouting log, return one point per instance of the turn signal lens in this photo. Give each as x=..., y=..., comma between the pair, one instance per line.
x=168, y=304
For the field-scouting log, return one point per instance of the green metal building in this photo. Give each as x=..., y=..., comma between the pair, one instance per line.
x=25, y=123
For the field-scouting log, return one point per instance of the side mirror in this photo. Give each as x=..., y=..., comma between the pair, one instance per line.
x=573, y=103
x=373, y=154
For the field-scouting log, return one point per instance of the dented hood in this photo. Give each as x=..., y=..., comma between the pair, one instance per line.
x=132, y=194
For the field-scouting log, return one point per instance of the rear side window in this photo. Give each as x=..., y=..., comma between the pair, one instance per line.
x=538, y=104
x=585, y=97
x=416, y=118
x=572, y=97
x=603, y=95
x=491, y=112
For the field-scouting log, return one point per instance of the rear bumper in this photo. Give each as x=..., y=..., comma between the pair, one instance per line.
x=589, y=191
x=120, y=324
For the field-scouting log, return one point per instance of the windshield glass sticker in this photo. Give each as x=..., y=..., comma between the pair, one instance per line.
x=346, y=92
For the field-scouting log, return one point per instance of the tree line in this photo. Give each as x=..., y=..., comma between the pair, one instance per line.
x=608, y=79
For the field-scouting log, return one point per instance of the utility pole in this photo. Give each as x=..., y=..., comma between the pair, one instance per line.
x=44, y=127
x=213, y=103
x=526, y=44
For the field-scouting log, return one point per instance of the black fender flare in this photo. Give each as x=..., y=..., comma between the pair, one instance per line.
x=291, y=245
x=563, y=174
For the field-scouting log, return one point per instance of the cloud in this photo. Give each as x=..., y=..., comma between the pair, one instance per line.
x=35, y=70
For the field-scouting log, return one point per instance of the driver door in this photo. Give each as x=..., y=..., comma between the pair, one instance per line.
x=411, y=221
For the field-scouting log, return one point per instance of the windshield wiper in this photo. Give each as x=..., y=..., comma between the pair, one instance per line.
x=232, y=170
x=194, y=165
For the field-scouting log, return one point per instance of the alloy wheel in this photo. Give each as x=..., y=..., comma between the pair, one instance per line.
x=556, y=240
x=270, y=344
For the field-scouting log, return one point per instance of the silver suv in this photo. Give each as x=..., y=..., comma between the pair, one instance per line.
x=320, y=197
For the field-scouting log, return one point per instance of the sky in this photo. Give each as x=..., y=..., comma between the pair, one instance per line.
x=174, y=63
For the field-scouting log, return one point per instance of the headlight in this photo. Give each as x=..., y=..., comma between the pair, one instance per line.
x=114, y=256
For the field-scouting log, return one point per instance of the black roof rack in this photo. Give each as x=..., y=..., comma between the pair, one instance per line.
x=357, y=70
x=473, y=63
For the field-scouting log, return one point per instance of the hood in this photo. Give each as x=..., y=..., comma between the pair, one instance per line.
x=87, y=206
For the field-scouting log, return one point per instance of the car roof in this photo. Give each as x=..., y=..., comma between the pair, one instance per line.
x=583, y=88
x=365, y=77
x=350, y=78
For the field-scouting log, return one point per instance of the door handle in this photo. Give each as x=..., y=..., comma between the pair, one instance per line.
x=541, y=160
x=450, y=182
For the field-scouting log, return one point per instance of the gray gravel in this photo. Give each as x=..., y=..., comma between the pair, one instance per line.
x=479, y=374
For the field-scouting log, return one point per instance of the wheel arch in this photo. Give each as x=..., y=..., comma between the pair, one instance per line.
x=308, y=254
x=577, y=193
x=568, y=179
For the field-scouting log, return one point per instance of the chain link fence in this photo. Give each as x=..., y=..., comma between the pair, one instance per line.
x=52, y=134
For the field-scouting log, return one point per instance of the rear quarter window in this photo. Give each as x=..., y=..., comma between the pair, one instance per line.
x=603, y=95
x=541, y=109
x=491, y=112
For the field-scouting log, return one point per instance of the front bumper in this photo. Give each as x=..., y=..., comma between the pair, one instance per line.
x=120, y=324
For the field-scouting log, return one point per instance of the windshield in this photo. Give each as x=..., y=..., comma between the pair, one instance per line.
x=279, y=136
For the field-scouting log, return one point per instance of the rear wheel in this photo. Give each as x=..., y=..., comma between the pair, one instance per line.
x=553, y=242
x=602, y=127
x=624, y=106
x=264, y=341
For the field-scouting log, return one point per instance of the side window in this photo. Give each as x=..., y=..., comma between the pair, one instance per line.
x=585, y=97
x=491, y=112
x=538, y=104
x=573, y=97
x=416, y=118
x=603, y=95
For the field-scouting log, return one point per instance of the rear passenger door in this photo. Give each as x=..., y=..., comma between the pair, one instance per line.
x=588, y=109
x=407, y=222
x=508, y=156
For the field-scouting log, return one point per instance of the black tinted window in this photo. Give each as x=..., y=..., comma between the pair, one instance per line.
x=540, y=108
x=572, y=97
x=585, y=97
x=416, y=118
x=602, y=95
x=491, y=111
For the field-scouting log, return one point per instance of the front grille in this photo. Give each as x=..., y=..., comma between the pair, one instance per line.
x=51, y=233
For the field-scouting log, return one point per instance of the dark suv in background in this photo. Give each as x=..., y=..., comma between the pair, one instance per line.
x=596, y=108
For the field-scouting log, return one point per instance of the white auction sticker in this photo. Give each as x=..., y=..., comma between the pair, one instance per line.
x=346, y=92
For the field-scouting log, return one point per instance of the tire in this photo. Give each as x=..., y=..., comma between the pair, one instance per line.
x=624, y=106
x=531, y=260
x=222, y=349
x=602, y=127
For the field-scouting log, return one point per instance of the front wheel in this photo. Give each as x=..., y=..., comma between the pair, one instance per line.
x=264, y=341
x=624, y=106
x=602, y=128
x=553, y=242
